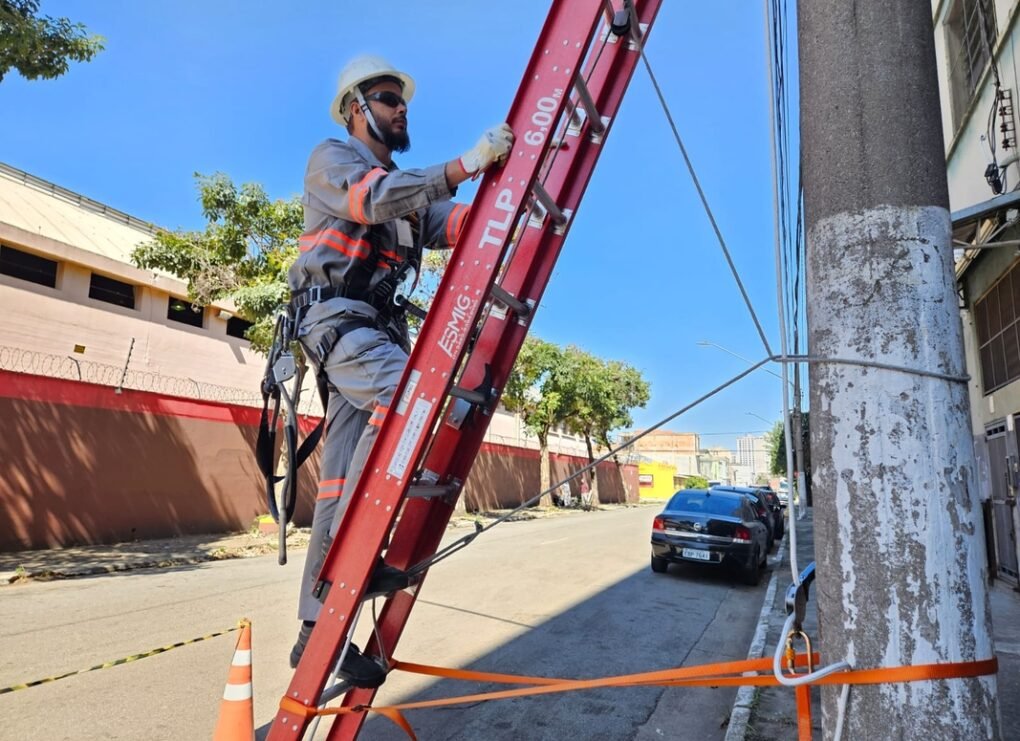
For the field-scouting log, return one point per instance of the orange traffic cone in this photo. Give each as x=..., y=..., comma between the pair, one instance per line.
x=237, y=714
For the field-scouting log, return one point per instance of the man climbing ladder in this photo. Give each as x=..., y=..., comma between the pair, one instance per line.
x=366, y=223
x=452, y=381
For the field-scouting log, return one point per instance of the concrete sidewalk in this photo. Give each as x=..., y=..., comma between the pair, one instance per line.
x=770, y=713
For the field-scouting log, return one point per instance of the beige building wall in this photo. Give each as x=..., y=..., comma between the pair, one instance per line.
x=679, y=449
x=43, y=327
x=965, y=126
x=966, y=154
x=506, y=428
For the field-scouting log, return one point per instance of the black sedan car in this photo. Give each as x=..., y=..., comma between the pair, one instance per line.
x=713, y=526
x=769, y=510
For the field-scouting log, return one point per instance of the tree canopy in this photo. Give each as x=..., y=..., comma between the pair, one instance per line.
x=243, y=253
x=535, y=387
x=599, y=395
x=775, y=441
x=39, y=46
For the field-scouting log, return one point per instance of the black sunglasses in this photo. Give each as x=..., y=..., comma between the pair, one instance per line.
x=387, y=99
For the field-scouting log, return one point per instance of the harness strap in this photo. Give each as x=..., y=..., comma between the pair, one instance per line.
x=273, y=392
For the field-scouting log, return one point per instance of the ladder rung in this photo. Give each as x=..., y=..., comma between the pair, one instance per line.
x=331, y=693
x=470, y=395
x=543, y=197
x=424, y=491
x=518, y=307
x=595, y=118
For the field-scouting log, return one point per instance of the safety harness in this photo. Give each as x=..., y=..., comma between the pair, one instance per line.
x=390, y=298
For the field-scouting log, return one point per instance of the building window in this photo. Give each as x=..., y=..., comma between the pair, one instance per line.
x=996, y=318
x=236, y=327
x=27, y=266
x=111, y=291
x=185, y=312
x=967, y=46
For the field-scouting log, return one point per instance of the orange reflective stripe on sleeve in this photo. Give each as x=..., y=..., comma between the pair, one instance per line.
x=378, y=415
x=455, y=222
x=359, y=191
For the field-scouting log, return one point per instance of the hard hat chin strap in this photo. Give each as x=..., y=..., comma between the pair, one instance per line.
x=368, y=114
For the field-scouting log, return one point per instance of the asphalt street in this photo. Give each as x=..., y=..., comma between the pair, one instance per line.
x=564, y=597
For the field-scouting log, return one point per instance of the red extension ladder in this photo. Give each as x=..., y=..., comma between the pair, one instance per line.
x=568, y=98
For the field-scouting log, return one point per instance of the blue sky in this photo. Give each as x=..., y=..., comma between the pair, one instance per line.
x=244, y=87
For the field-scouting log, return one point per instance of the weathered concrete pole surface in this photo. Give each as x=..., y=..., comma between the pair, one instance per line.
x=901, y=572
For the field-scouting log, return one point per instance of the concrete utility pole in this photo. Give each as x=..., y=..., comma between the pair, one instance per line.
x=901, y=571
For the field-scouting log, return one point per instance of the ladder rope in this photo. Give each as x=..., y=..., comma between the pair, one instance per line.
x=697, y=184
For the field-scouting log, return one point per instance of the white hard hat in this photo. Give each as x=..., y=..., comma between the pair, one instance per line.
x=357, y=71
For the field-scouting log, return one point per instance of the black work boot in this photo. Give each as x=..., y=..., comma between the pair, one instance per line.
x=356, y=670
x=386, y=579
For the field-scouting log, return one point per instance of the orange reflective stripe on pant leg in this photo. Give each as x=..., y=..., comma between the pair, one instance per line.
x=331, y=488
x=378, y=415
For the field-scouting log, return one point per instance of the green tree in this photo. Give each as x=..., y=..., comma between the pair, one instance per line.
x=695, y=482
x=536, y=390
x=598, y=397
x=775, y=441
x=41, y=46
x=242, y=254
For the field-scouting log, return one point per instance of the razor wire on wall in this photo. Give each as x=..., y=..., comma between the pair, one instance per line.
x=20, y=360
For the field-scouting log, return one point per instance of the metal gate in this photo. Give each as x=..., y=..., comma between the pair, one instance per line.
x=1002, y=467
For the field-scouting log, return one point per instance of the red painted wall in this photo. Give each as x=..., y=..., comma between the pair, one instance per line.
x=504, y=476
x=80, y=463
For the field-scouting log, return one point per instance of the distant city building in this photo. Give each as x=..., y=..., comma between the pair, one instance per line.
x=679, y=449
x=716, y=464
x=752, y=452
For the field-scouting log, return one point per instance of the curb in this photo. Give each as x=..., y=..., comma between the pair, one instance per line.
x=740, y=715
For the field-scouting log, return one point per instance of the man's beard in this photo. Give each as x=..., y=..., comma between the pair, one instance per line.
x=393, y=141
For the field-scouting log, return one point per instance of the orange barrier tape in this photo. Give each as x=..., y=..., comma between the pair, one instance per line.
x=727, y=673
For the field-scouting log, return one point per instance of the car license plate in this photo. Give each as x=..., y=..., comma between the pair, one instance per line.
x=696, y=554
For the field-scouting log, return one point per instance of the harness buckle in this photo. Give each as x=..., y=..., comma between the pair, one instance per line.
x=314, y=294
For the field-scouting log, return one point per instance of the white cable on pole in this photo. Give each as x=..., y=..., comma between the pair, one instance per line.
x=791, y=500
x=798, y=680
x=844, y=695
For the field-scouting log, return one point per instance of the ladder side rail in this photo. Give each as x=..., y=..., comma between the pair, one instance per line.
x=527, y=278
x=423, y=523
x=501, y=202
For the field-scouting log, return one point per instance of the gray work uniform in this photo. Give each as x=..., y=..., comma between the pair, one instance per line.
x=362, y=221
